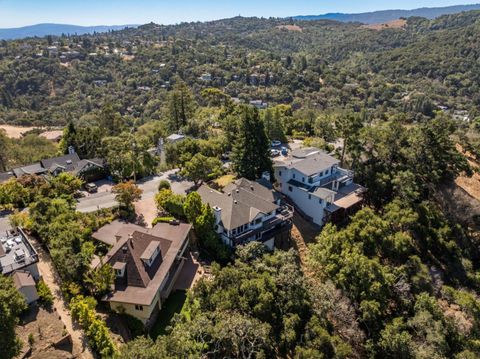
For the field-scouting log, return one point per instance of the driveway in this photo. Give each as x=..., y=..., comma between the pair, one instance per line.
x=4, y=223
x=149, y=185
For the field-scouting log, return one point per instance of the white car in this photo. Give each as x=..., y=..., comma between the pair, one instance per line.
x=276, y=143
x=274, y=153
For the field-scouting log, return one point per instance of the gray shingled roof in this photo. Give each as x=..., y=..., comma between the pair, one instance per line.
x=309, y=162
x=240, y=202
x=32, y=169
x=5, y=176
x=67, y=162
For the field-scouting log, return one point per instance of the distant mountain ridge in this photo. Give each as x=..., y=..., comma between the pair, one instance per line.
x=41, y=30
x=384, y=16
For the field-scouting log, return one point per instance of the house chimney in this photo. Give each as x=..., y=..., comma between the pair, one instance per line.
x=217, y=211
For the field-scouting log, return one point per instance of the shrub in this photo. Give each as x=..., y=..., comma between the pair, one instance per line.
x=44, y=293
x=162, y=220
x=135, y=326
x=164, y=184
x=83, y=310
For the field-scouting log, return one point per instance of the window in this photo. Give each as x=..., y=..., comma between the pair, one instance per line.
x=258, y=220
x=280, y=173
x=320, y=174
x=309, y=196
x=293, y=175
x=303, y=179
x=310, y=180
x=139, y=307
x=118, y=272
x=290, y=189
x=320, y=201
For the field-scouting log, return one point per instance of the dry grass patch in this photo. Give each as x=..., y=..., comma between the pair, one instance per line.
x=394, y=24
x=290, y=28
x=224, y=180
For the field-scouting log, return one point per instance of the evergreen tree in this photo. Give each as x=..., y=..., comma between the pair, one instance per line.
x=11, y=305
x=251, y=152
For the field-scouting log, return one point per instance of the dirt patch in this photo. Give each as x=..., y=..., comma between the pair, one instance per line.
x=290, y=28
x=15, y=131
x=303, y=233
x=45, y=328
x=471, y=185
x=394, y=24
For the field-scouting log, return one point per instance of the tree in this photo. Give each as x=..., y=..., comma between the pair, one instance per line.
x=192, y=207
x=126, y=193
x=181, y=106
x=110, y=121
x=12, y=304
x=99, y=280
x=348, y=128
x=170, y=202
x=127, y=156
x=4, y=150
x=201, y=168
x=251, y=152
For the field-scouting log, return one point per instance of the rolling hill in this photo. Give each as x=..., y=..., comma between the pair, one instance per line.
x=41, y=30
x=389, y=15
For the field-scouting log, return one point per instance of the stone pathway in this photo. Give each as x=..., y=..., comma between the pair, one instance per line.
x=81, y=349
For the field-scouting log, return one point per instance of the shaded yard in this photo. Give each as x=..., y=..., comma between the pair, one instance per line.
x=172, y=305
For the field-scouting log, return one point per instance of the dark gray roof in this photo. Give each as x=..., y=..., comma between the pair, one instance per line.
x=240, y=202
x=67, y=162
x=5, y=176
x=308, y=161
x=33, y=169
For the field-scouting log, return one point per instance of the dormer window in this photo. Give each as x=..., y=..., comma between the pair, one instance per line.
x=150, y=254
x=119, y=268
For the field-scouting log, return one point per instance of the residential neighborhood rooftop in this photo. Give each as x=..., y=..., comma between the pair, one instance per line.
x=240, y=202
x=133, y=245
x=308, y=161
x=16, y=252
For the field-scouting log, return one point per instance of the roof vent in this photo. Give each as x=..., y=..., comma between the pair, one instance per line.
x=251, y=187
x=69, y=162
x=237, y=190
x=235, y=201
x=174, y=222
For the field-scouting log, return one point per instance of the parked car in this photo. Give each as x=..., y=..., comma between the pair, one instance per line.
x=91, y=188
x=284, y=151
x=274, y=153
x=276, y=143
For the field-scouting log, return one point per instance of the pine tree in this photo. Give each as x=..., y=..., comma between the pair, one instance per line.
x=251, y=152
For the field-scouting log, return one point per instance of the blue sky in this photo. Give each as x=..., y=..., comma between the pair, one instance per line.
x=110, y=12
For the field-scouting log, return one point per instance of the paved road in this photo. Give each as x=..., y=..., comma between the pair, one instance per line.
x=149, y=186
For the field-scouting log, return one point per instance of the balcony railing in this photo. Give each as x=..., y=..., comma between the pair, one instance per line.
x=283, y=216
x=341, y=175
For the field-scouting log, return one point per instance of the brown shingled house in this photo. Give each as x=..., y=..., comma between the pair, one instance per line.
x=146, y=264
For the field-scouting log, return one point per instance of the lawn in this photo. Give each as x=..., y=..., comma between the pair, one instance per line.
x=172, y=305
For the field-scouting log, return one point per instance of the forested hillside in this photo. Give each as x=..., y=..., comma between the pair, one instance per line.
x=319, y=64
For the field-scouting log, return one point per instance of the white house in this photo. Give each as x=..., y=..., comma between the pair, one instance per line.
x=249, y=211
x=318, y=187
